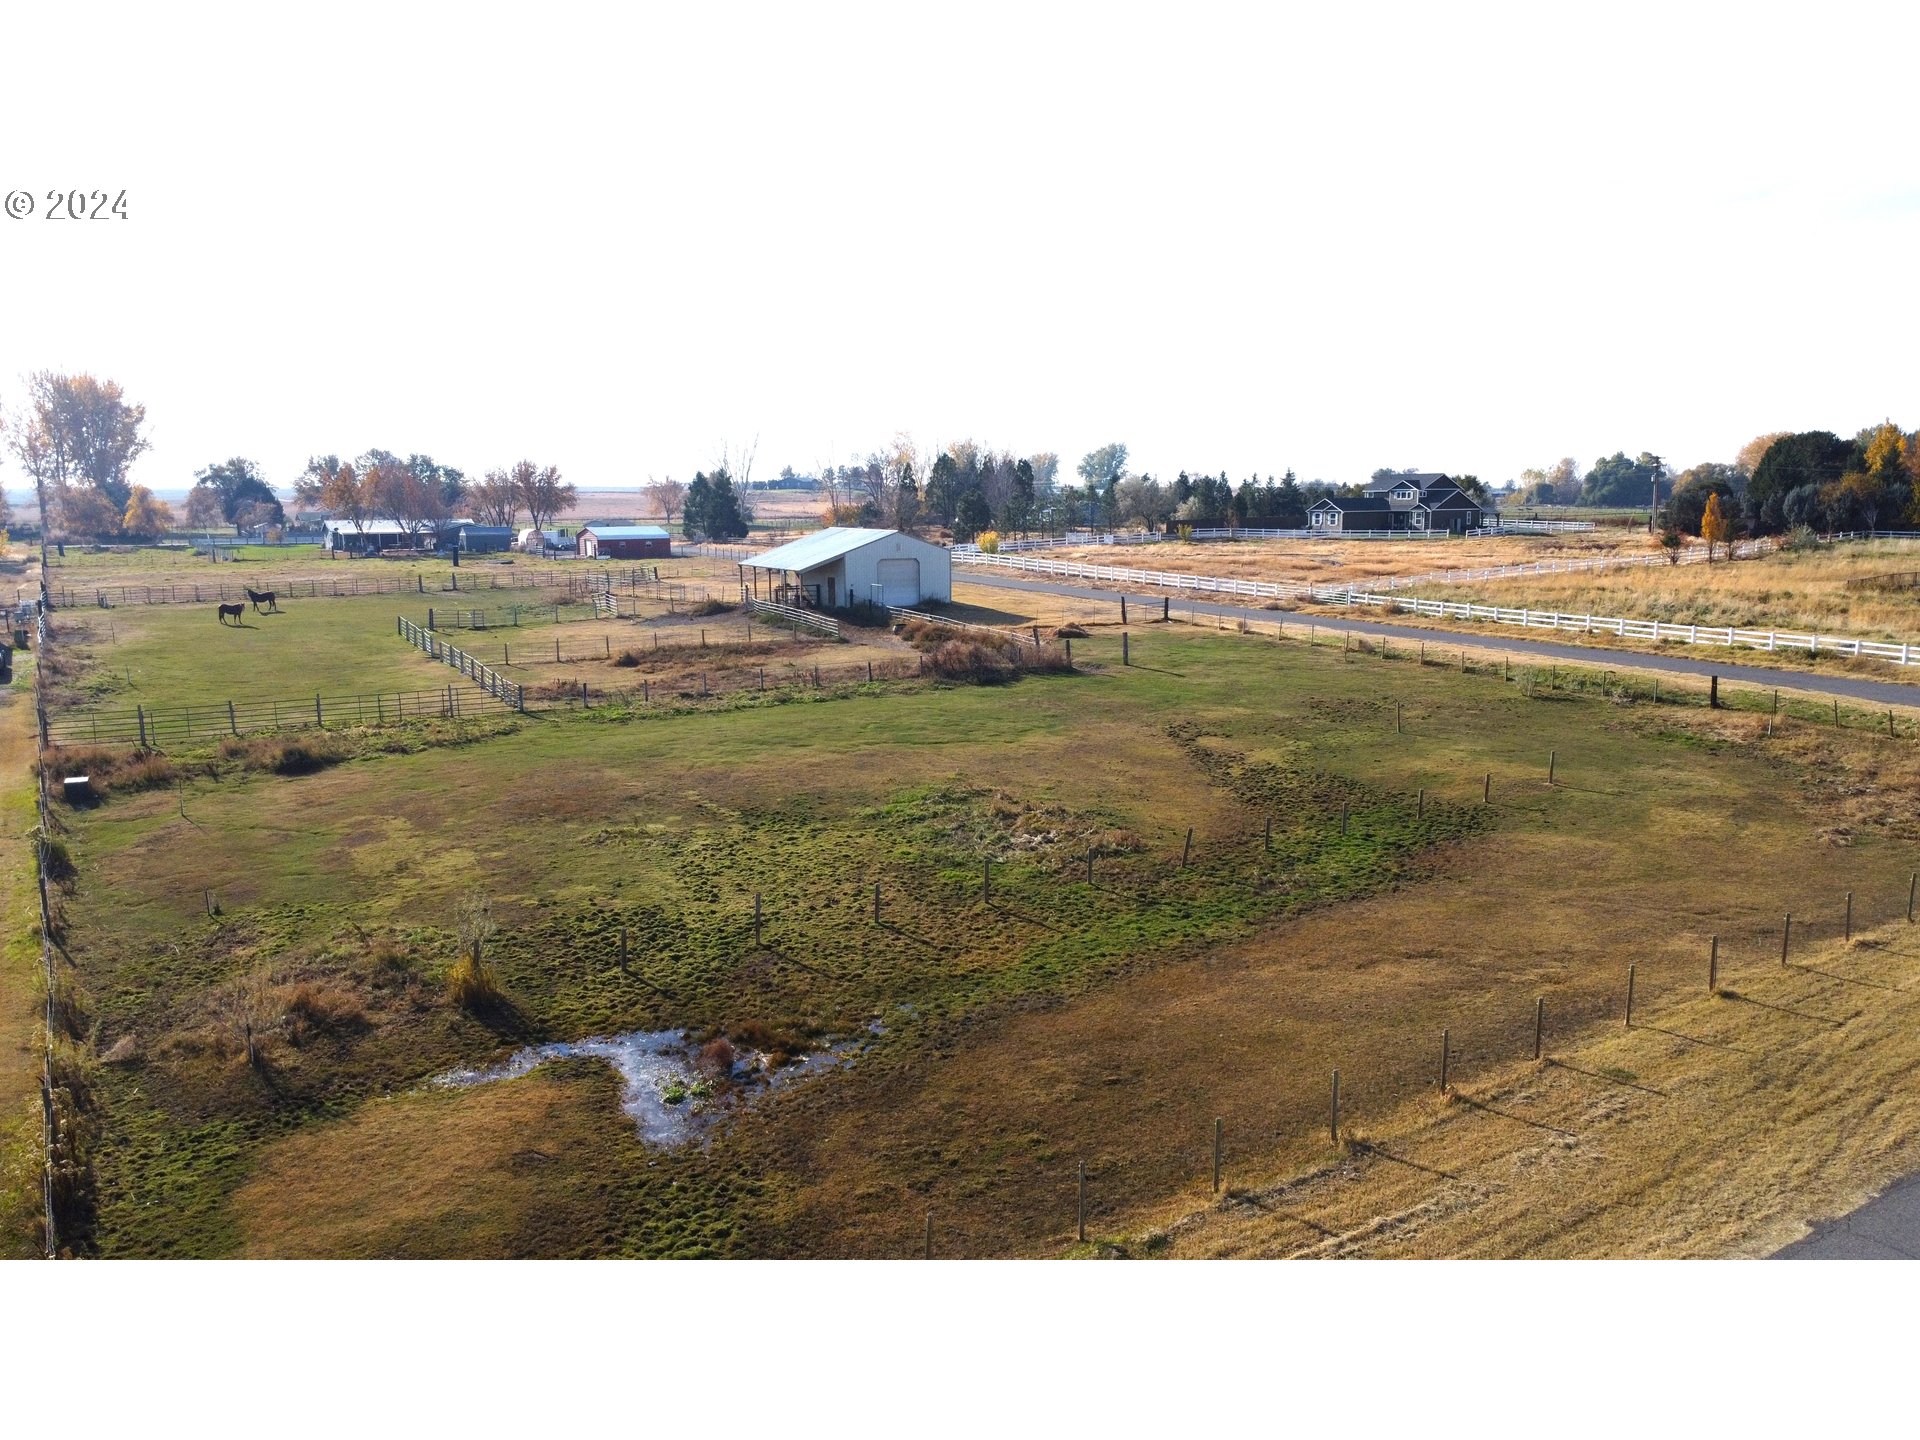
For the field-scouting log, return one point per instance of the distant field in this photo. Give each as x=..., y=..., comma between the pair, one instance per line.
x=1062, y=1021
x=1337, y=562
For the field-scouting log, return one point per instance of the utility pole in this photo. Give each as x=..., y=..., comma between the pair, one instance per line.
x=1654, y=505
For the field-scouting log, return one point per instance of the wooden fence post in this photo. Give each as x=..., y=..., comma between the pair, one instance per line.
x=1343, y=817
x=1486, y=790
x=1713, y=967
x=1090, y=868
x=1080, y=1205
x=140, y=715
x=929, y=1251
x=1629, y=997
x=756, y=918
x=1126, y=649
x=1186, y=852
x=876, y=902
x=318, y=718
x=1445, y=1046
x=1786, y=933
x=1539, y=1024
x=1396, y=718
x=623, y=947
x=1333, y=1113
x=1123, y=609
x=1912, y=881
x=1849, y=929
x=986, y=882
x=1423, y=802
x=233, y=724
x=1269, y=834
x=1553, y=763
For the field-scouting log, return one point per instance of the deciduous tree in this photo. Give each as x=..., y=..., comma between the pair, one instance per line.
x=494, y=499
x=79, y=432
x=146, y=517
x=543, y=494
x=668, y=498
x=1716, y=527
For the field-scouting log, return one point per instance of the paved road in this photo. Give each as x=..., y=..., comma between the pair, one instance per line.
x=1887, y=1227
x=1847, y=687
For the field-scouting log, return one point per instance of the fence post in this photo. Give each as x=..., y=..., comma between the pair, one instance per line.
x=1713, y=966
x=1786, y=933
x=1219, y=1135
x=1849, y=931
x=1186, y=852
x=756, y=917
x=1343, y=817
x=986, y=881
x=1553, y=762
x=876, y=902
x=1445, y=1046
x=233, y=724
x=1080, y=1205
x=1912, y=880
x=1486, y=790
x=1539, y=1023
x=1629, y=997
x=318, y=718
x=1333, y=1113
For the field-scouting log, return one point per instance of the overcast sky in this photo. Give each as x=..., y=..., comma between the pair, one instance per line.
x=1470, y=240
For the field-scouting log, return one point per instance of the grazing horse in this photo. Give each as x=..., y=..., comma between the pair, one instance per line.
x=234, y=612
x=262, y=597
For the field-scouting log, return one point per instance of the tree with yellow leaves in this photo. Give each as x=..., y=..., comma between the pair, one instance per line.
x=1716, y=527
x=147, y=516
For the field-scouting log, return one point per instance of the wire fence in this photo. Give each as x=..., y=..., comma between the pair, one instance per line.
x=156, y=727
x=314, y=587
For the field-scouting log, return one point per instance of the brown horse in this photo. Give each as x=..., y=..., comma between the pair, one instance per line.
x=233, y=612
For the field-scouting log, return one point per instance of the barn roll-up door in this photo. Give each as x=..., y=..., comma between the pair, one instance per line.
x=900, y=582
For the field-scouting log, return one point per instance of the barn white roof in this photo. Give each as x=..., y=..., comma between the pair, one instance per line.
x=822, y=547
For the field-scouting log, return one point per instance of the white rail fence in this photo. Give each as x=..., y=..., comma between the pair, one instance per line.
x=1725, y=636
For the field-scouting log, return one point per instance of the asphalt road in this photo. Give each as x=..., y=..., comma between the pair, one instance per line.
x=1846, y=687
x=1887, y=1227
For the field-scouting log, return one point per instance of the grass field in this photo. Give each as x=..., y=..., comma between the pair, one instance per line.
x=22, y=982
x=1803, y=591
x=1061, y=1021
x=1350, y=562
x=1719, y=1125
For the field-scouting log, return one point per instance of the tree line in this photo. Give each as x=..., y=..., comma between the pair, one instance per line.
x=1777, y=482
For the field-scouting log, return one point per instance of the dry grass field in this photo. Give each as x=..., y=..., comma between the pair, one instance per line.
x=1719, y=1125
x=1351, y=562
x=1799, y=591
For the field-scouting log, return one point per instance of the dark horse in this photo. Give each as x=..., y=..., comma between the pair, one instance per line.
x=233, y=612
x=262, y=597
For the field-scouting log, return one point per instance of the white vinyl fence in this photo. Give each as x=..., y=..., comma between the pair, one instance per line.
x=1728, y=637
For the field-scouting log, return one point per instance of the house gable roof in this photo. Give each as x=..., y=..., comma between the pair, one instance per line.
x=822, y=547
x=1421, y=483
x=625, y=532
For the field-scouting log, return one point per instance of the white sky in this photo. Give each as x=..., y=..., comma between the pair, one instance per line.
x=1461, y=239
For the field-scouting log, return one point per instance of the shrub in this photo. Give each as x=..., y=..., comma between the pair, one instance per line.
x=969, y=660
x=471, y=982
x=716, y=1059
x=627, y=659
x=106, y=769
x=988, y=541
x=284, y=755
x=709, y=607
x=316, y=1006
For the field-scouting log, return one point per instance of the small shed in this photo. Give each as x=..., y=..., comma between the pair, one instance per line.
x=369, y=537
x=475, y=539
x=844, y=565
x=624, y=542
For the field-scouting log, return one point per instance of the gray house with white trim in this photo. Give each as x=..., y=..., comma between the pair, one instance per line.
x=1429, y=504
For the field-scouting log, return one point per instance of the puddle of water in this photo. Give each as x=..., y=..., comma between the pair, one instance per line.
x=661, y=1089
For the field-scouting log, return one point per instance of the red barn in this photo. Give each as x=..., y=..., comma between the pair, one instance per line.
x=624, y=542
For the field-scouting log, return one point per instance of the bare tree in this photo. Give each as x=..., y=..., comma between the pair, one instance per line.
x=668, y=498
x=739, y=466
x=542, y=493
x=417, y=505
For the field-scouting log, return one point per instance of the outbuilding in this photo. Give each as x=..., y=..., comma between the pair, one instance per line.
x=843, y=565
x=624, y=542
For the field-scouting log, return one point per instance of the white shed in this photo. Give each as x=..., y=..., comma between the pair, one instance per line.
x=842, y=565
